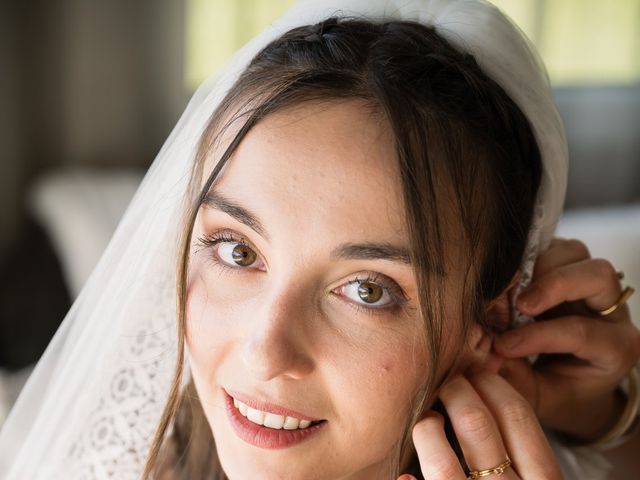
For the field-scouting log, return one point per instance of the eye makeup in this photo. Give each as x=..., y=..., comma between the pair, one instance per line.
x=213, y=242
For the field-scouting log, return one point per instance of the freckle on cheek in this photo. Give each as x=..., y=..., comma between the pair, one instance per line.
x=386, y=367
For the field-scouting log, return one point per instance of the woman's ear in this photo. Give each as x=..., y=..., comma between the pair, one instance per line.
x=498, y=310
x=479, y=350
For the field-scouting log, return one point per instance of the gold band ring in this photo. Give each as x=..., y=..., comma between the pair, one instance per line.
x=624, y=296
x=499, y=470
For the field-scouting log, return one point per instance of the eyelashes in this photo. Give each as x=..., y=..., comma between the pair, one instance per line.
x=244, y=259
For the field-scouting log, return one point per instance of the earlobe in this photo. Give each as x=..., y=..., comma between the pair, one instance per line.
x=498, y=318
x=480, y=353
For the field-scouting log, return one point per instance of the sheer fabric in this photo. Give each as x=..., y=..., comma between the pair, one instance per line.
x=91, y=406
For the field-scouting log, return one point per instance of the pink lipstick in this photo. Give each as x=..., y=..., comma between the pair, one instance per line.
x=265, y=437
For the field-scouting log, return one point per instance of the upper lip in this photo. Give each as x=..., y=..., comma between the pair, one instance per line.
x=269, y=407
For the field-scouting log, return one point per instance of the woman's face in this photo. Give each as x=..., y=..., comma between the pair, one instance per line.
x=302, y=299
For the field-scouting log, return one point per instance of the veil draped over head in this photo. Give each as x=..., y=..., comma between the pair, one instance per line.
x=90, y=408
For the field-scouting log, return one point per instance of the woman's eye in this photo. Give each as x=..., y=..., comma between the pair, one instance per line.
x=236, y=254
x=227, y=250
x=367, y=293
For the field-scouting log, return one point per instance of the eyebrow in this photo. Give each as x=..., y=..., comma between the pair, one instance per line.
x=346, y=251
x=218, y=201
x=372, y=251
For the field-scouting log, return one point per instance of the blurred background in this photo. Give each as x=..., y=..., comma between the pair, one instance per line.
x=89, y=90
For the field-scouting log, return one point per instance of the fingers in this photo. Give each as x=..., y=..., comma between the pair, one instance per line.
x=522, y=435
x=475, y=428
x=583, y=337
x=561, y=252
x=492, y=422
x=437, y=459
x=594, y=281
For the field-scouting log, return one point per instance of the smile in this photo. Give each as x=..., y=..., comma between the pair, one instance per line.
x=270, y=420
x=269, y=426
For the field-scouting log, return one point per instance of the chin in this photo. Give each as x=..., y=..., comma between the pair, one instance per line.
x=242, y=467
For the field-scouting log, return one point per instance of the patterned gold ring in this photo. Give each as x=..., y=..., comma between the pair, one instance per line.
x=499, y=470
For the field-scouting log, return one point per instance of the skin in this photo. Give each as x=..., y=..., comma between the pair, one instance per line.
x=571, y=285
x=283, y=330
x=287, y=329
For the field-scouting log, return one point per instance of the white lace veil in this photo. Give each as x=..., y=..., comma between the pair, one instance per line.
x=91, y=406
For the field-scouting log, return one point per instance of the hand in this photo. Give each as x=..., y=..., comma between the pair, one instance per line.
x=492, y=422
x=584, y=357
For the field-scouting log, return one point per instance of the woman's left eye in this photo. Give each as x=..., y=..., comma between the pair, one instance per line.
x=370, y=293
x=375, y=292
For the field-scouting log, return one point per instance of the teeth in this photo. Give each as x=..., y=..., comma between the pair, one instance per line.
x=291, y=423
x=256, y=416
x=270, y=420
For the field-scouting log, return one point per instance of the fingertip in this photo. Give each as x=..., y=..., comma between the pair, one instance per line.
x=481, y=372
x=406, y=476
x=432, y=415
x=430, y=420
x=524, y=306
x=509, y=341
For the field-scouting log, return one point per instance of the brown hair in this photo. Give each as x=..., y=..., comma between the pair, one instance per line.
x=453, y=126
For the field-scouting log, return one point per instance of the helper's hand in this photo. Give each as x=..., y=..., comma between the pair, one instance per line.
x=493, y=423
x=584, y=357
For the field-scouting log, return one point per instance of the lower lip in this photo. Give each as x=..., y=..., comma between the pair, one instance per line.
x=264, y=437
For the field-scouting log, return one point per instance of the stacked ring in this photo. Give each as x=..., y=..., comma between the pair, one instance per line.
x=498, y=470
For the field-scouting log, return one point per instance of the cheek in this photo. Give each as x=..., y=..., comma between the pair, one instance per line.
x=377, y=386
x=209, y=330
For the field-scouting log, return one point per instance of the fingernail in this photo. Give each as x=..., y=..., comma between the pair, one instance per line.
x=511, y=339
x=529, y=297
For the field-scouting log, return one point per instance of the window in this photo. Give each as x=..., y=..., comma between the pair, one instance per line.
x=583, y=42
x=217, y=28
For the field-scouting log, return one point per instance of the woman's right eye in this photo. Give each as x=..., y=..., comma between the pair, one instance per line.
x=236, y=254
x=227, y=251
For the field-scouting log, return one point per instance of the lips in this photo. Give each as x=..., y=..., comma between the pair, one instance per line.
x=267, y=425
x=268, y=407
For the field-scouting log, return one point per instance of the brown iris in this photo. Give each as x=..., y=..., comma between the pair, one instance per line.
x=370, y=292
x=243, y=255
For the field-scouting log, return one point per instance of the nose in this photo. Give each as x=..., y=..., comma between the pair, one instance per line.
x=276, y=345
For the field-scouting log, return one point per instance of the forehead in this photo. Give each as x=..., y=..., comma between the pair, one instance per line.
x=319, y=166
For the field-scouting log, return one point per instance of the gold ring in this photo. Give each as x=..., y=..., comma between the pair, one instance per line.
x=499, y=470
x=624, y=296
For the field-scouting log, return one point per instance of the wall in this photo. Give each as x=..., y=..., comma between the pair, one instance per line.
x=84, y=82
x=10, y=141
x=603, y=131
